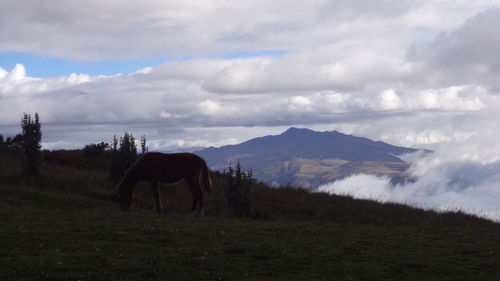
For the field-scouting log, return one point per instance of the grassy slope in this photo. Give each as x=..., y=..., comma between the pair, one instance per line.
x=74, y=231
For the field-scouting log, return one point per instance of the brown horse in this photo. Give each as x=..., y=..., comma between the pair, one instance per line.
x=155, y=167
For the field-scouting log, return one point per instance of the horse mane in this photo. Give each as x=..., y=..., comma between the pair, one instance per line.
x=129, y=169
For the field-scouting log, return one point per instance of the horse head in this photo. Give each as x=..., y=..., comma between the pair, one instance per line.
x=125, y=194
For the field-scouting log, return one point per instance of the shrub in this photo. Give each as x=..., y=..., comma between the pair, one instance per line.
x=94, y=150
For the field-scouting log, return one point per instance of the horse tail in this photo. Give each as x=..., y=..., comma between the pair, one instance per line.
x=205, y=179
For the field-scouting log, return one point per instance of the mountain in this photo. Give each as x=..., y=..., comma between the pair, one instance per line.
x=306, y=158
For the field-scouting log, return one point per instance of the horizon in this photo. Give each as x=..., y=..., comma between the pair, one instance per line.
x=413, y=74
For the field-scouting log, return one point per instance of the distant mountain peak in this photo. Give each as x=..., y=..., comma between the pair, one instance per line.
x=305, y=131
x=266, y=155
x=295, y=130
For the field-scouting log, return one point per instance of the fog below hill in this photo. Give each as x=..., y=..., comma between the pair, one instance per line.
x=442, y=183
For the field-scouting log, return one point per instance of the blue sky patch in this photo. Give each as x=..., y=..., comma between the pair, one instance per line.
x=45, y=66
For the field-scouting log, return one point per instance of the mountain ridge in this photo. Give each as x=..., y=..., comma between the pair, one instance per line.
x=327, y=156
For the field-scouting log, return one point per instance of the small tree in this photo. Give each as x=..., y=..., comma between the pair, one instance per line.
x=144, y=148
x=128, y=149
x=30, y=145
x=237, y=190
x=115, y=169
x=123, y=156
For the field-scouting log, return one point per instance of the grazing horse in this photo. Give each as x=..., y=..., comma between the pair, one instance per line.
x=155, y=167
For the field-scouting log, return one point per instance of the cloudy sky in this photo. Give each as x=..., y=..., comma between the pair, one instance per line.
x=198, y=73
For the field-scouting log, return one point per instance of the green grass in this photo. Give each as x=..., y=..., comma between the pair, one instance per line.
x=66, y=225
x=58, y=236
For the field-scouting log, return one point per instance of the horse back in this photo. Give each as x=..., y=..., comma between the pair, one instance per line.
x=169, y=168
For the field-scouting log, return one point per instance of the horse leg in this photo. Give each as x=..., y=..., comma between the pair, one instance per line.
x=156, y=193
x=191, y=189
x=200, y=200
x=197, y=207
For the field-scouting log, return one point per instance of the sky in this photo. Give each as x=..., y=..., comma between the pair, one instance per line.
x=422, y=74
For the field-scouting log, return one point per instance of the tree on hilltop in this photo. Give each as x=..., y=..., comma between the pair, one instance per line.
x=124, y=154
x=30, y=144
x=237, y=190
x=144, y=148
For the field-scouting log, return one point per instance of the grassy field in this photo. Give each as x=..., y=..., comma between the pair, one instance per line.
x=66, y=225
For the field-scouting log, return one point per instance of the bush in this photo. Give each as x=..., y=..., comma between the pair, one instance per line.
x=94, y=150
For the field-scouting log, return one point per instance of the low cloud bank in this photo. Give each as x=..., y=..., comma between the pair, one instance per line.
x=442, y=184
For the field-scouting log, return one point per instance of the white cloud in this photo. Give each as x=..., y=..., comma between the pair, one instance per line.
x=165, y=114
x=466, y=55
x=464, y=98
x=239, y=76
x=18, y=73
x=388, y=100
x=75, y=79
x=444, y=185
x=210, y=107
x=299, y=103
x=111, y=30
x=162, y=95
x=145, y=70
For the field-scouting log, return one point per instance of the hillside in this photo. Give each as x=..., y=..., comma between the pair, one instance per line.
x=306, y=158
x=66, y=225
x=60, y=236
